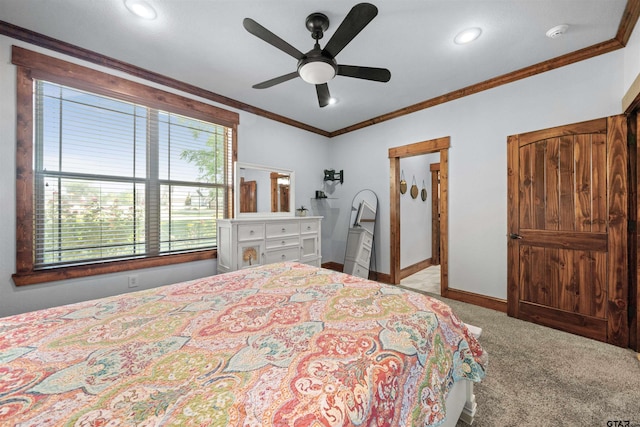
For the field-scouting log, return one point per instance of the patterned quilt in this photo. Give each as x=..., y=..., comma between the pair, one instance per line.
x=279, y=345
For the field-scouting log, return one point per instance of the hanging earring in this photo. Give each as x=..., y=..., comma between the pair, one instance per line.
x=423, y=193
x=414, y=188
x=403, y=183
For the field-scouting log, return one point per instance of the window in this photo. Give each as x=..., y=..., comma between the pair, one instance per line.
x=118, y=180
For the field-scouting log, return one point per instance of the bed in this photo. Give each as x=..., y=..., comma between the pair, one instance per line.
x=284, y=344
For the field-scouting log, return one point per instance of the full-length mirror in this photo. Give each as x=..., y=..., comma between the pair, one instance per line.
x=263, y=191
x=362, y=223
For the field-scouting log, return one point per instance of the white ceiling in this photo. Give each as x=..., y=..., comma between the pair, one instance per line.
x=203, y=42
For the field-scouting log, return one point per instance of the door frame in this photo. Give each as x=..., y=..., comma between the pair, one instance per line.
x=438, y=145
x=435, y=213
x=617, y=332
x=634, y=239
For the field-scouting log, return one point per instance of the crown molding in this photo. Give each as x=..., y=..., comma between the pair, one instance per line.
x=628, y=21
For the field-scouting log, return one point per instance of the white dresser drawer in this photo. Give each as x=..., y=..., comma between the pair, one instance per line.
x=367, y=239
x=363, y=256
x=289, y=254
x=250, y=232
x=283, y=242
x=355, y=269
x=357, y=238
x=283, y=228
x=309, y=226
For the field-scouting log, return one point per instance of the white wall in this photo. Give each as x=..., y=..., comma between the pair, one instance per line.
x=265, y=142
x=631, y=60
x=260, y=141
x=415, y=214
x=478, y=126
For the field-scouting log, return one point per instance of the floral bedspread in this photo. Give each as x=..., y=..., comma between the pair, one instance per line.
x=284, y=345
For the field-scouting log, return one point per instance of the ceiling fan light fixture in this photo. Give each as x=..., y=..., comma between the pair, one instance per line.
x=316, y=72
x=141, y=9
x=467, y=36
x=319, y=65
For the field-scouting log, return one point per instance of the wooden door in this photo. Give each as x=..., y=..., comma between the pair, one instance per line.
x=634, y=240
x=284, y=198
x=567, y=224
x=280, y=192
x=248, y=196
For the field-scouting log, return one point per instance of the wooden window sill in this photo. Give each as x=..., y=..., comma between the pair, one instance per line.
x=65, y=273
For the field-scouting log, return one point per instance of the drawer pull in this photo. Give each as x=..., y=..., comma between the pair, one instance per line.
x=251, y=232
x=284, y=229
x=308, y=227
x=283, y=243
x=283, y=256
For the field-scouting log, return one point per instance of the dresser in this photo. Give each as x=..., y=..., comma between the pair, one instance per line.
x=244, y=243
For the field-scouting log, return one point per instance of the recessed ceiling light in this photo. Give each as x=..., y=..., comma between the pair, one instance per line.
x=467, y=36
x=141, y=9
x=557, y=31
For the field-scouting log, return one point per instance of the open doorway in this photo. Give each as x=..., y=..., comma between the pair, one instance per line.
x=417, y=217
x=440, y=145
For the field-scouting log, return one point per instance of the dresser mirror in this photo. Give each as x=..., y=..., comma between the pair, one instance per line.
x=263, y=191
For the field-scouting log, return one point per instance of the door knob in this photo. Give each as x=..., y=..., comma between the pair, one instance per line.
x=514, y=236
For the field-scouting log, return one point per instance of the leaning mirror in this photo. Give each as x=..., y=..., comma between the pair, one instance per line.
x=261, y=191
x=360, y=244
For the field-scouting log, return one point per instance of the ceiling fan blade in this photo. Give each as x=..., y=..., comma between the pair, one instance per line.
x=367, y=73
x=323, y=94
x=275, y=81
x=262, y=33
x=357, y=18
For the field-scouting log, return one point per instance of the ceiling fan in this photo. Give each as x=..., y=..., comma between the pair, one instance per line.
x=318, y=66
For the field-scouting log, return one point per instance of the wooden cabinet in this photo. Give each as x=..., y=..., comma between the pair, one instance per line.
x=244, y=243
x=358, y=253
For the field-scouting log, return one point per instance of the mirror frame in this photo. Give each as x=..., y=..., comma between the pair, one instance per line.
x=370, y=198
x=264, y=214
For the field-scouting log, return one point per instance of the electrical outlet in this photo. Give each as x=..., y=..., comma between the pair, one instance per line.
x=133, y=281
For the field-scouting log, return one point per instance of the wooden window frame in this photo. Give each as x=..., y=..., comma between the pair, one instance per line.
x=32, y=65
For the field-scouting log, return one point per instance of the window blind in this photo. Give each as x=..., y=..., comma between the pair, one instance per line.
x=118, y=180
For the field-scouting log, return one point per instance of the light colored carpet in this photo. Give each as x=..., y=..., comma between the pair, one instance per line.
x=427, y=280
x=538, y=376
